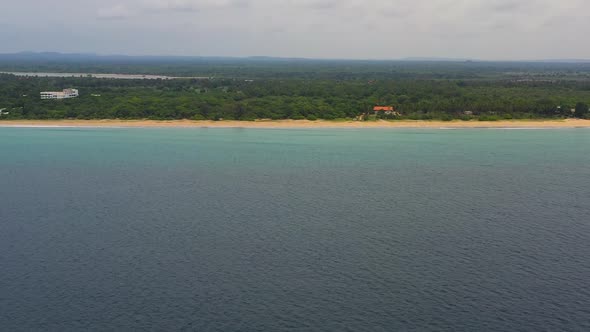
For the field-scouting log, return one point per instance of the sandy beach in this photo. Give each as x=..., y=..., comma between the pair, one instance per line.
x=569, y=123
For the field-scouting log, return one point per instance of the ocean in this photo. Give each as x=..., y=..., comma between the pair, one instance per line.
x=294, y=230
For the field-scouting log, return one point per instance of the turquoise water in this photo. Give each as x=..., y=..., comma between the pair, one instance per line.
x=321, y=230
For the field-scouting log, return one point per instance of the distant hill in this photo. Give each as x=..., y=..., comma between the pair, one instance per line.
x=434, y=59
x=55, y=56
x=92, y=57
x=562, y=61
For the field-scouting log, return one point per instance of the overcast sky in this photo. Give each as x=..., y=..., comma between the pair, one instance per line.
x=367, y=29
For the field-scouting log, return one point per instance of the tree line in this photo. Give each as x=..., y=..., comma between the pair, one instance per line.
x=294, y=98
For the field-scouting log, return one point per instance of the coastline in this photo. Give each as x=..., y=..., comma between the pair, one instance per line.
x=294, y=124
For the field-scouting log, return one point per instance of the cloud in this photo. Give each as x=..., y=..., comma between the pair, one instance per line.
x=318, y=4
x=507, y=6
x=116, y=12
x=310, y=28
x=192, y=5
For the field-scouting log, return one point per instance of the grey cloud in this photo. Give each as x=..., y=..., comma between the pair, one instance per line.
x=319, y=4
x=310, y=28
x=192, y=5
x=508, y=6
x=116, y=12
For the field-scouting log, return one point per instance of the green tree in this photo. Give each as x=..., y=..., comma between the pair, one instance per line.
x=581, y=110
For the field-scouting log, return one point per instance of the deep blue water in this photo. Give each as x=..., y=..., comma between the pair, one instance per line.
x=294, y=230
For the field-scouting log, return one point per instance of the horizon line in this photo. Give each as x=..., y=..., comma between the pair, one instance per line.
x=408, y=58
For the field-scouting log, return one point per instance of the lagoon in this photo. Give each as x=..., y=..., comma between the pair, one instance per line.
x=101, y=75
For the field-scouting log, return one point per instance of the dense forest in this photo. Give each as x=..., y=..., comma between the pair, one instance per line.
x=298, y=89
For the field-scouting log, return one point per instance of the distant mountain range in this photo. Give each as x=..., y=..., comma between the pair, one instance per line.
x=434, y=59
x=76, y=57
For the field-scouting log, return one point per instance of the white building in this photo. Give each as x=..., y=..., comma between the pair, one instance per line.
x=66, y=93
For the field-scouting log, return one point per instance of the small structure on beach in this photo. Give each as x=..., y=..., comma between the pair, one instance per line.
x=65, y=94
x=387, y=110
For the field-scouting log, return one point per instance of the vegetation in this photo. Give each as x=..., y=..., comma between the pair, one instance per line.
x=303, y=90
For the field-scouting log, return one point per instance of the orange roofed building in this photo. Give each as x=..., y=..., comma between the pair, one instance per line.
x=385, y=110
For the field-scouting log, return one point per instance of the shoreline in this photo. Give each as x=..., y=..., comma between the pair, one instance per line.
x=301, y=124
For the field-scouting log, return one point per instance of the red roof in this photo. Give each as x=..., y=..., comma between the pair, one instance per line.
x=383, y=108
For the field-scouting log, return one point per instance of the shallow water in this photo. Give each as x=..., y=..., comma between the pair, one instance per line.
x=310, y=230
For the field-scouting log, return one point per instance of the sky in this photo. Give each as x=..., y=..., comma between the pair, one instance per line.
x=343, y=29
